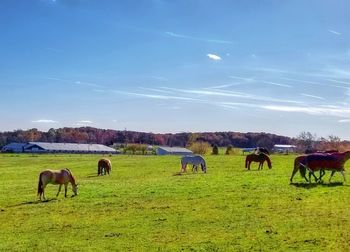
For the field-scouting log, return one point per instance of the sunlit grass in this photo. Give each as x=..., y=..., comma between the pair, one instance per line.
x=144, y=205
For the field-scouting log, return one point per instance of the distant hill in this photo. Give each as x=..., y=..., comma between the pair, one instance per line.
x=110, y=137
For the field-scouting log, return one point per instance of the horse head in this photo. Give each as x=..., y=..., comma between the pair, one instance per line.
x=75, y=189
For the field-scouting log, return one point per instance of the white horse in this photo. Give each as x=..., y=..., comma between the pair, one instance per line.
x=194, y=160
x=57, y=177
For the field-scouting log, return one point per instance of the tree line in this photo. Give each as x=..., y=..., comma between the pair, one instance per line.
x=109, y=137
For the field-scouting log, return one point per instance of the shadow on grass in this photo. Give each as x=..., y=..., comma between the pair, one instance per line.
x=313, y=185
x=186, y=173
x=34, y=202
x=92, y=175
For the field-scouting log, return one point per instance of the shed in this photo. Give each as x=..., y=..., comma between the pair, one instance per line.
x=164, y=150
x=14, y=147
x=43, y=147
x=284, y=148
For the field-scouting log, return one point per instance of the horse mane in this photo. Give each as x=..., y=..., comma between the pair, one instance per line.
x=71, y=176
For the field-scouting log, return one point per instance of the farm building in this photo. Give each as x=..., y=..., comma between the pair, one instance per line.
x=43, y=147
x=163, y=150
x=14, y=147
x=284, y=148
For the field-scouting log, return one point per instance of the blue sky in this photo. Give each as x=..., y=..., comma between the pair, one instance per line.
x=172, y=66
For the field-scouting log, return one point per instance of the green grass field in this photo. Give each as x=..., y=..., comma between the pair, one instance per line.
x=144, y=206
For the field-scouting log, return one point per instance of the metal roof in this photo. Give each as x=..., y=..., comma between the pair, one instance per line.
x=72, y=147
x=174, y=149
x=284, y=146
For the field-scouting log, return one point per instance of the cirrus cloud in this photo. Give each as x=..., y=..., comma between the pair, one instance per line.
x=44, y=121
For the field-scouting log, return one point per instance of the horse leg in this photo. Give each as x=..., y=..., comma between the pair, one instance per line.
x=293, y=173
x=65, y=189
x=183, y=168
x=342, y=173
x=331, y=176
x=59, y=190
x=322, y=173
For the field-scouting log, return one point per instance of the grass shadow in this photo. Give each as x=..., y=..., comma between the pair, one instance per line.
x=313, y=185
x=34, y=202
x=92, y=175
x=186, y=173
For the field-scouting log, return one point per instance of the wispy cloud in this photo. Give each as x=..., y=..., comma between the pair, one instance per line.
x=44, y=121
x=344, y=121
x=260, y=81
x=159, y=97
x=241, y=78
x=313, y=96
x=85, y=121
x=81, y=83
x=228, y=93
x=276, y=84
x=177, y=35
x=213, y=56
x=327, y=111
x=334, y=32
x=340, y=82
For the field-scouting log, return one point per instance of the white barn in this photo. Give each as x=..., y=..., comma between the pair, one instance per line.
x=164, y=150
x=284, y=148
x=44, y=147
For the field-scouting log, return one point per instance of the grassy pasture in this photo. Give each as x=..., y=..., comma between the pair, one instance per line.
x=144, y=206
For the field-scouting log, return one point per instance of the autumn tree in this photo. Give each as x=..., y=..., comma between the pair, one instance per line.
x=200, y=147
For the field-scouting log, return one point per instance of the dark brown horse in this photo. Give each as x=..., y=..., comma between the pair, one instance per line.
x=333, y=161
x=104, y=166
x=56, y=177
x=260, y=158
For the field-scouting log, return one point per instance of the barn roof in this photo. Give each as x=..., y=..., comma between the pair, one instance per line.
x=174, y=149
x=15, y=145
x=71, y=147
x=284, y=146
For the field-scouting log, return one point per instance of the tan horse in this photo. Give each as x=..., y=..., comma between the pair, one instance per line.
x=104, y=165
x=261, y=158
x=56, y=177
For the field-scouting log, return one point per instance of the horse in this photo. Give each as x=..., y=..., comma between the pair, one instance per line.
x=195, y=160
x=261, y=158
x=56, y=177
x=333, y=161
x=261, y=150
x=104, y=165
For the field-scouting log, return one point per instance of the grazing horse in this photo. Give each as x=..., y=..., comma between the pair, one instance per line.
x=194, y=160
x=104, y=165
x=333, y=161
x=261, y=158
x=56, y=177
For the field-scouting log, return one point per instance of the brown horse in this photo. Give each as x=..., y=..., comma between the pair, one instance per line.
x=261, y=158
x=56, y=177
x=333, y=161
x=104, y=165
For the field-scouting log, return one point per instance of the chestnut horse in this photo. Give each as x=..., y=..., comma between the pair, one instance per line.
x=104, y=165
x=333, y=161
x=261, y=158
x=56, y=177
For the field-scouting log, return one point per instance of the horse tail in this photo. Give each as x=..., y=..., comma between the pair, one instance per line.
x=246, y=161
x=40, y=185
x=268, y=161
x=302, y=168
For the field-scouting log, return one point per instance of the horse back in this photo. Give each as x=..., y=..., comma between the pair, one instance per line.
x=56, y=176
